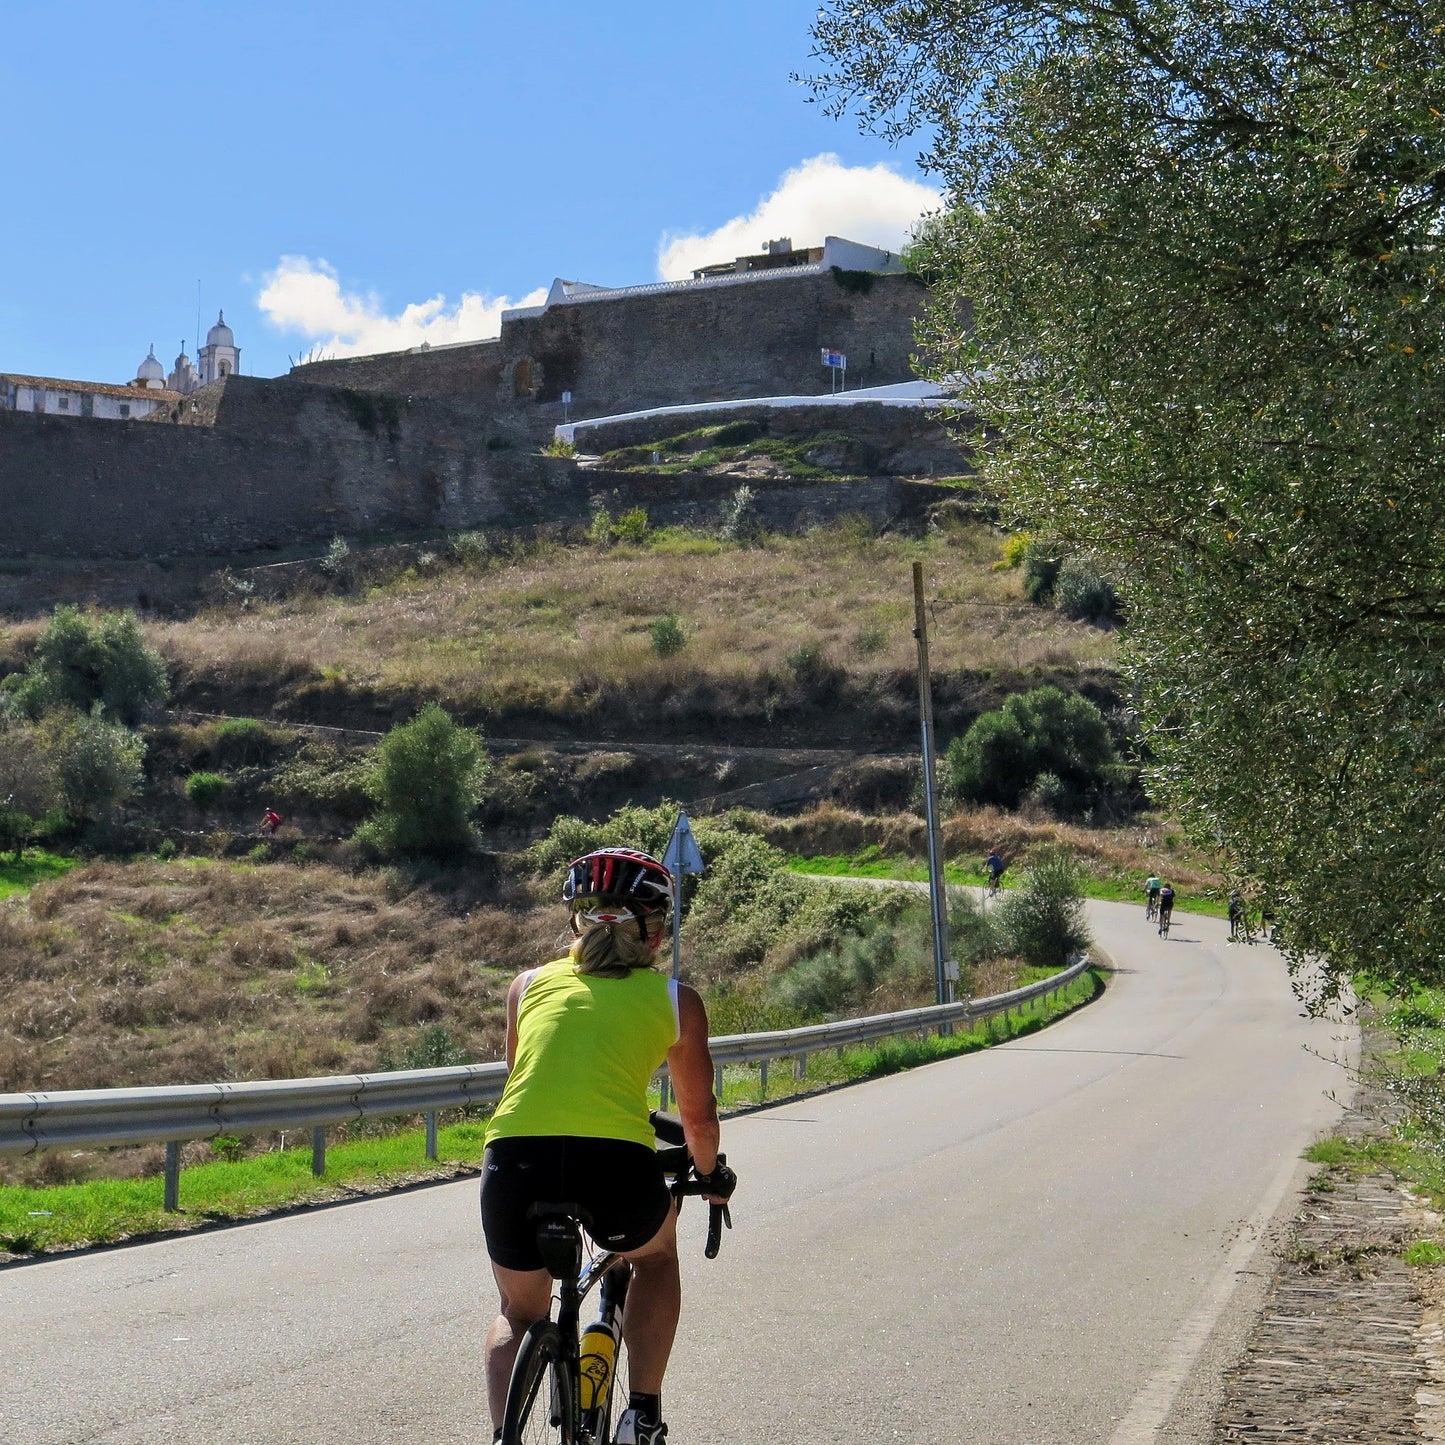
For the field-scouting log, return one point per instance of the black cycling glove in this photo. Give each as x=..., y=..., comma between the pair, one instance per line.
x=722, y=1181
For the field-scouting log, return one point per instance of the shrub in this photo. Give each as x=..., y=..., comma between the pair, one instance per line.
x=559, y=448
x=207, y=789
x=99, y=763
x=337, y=561
x=601, y=532
x=471, y=549
x=323, y=775
x=1015, y=549
x=29, y=785
x=166, y=850
x=242, y=742
x=669, y=636
x=426, y=781
x=1043, y=919
x=82, y=660
x=1041, y=569
x=1083, y=592
x=1043, y=731
x=632, y=525
x=740, y=521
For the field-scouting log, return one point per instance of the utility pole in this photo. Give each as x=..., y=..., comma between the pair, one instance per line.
x=945, y=971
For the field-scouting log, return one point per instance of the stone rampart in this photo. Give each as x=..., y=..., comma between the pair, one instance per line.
x=279, y=465
x=663, y=348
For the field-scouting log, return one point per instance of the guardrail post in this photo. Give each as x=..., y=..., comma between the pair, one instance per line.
x=318, y=1150
x=717, y=1086
x=173, y=1176
x=762, y=1080
x=800, y=1066
x=662, y=1093
x=431, y=1133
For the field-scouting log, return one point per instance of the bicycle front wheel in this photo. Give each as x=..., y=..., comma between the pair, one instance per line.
x=541, y=1407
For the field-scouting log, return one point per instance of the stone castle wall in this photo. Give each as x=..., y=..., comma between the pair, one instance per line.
x=665, y=348
x=279, y=465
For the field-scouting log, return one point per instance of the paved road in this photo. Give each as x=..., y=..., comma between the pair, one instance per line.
x=1051, y=1242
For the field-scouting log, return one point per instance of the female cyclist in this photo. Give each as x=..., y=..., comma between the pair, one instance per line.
x=585, y=1034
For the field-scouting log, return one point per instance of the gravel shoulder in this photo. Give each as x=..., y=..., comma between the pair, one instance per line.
x=1350, y=1344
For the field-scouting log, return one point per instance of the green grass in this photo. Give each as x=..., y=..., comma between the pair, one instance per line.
x=742, y=1083
x=870, y=864
x=104, y=1211
x=67, y=1216
x=35, y=866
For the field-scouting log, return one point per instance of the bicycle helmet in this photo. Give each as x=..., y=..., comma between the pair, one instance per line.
x=614, y=884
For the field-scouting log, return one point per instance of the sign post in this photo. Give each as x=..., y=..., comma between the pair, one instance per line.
x=837, y=364
x=682, y=856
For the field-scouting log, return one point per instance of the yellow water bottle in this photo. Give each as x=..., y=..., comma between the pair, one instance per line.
x=597, y=1354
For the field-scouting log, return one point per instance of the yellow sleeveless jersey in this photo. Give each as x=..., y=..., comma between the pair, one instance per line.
x=586, y=1049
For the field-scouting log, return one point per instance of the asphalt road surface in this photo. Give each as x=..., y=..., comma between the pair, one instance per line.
x=1055, y=1241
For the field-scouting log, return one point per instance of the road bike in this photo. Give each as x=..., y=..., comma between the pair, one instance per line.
x=562, y=1384
x=1165, y=919
x=1151, y=907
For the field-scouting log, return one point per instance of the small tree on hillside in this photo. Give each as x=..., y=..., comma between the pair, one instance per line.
x=98, y=763
x=426, y=782
x=29, y=788
x=1044, y=731
x=82, y=660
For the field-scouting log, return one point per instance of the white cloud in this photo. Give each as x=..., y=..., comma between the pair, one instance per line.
x=306, y=298
x=821, y=197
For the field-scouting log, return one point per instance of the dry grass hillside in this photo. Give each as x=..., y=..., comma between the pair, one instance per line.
x=809, y=635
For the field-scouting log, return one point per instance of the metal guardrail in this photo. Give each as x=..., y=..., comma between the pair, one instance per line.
x=172, y=1113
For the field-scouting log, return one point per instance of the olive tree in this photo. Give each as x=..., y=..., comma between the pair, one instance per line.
x=1189, y=268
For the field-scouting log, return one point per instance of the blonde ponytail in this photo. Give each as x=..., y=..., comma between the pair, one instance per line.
x=612, y=950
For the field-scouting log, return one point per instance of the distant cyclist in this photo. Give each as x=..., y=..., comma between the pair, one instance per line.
x=585, y=1034
x=994, y=866
x=1166, y=908
x=1151, y=896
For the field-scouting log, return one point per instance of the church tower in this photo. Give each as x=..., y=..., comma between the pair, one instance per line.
x=183, y=377
x=220, y=356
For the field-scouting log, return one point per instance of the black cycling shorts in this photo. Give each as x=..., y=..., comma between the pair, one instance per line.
x=619, y=1183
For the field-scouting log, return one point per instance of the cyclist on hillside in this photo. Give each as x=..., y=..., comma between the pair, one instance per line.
x=1151, y=897
x=1166, y=908
x=994, y=866
x=585, y=1034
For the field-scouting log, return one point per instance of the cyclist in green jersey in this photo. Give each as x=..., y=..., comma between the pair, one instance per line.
x=585, y=1034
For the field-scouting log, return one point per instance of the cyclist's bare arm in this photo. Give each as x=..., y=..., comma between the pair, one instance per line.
x=514, y=999
x=690, y=1064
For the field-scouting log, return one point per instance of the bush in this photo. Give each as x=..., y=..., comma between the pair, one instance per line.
x=1043, y=919
x=207, y=789
x=471, y=549
x=242, y=742
x=99, y=763
x=166, y=850
x=337, y=561
x=1015, y=550
x=1083, y=592
x=426, y=781
x=669, y=636
x=1041, y=570
x=632, y=526
x=82, y=660
x=740, y=521
x=1044, y=731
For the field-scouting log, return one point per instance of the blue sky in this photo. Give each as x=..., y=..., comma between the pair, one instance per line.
x=363, y=175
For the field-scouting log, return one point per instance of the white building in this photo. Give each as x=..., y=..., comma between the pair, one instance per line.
x=151, y=388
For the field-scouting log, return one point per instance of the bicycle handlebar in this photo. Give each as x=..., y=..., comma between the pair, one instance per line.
x=677, y=1161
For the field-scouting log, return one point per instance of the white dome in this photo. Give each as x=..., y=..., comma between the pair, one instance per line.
x=150, y=369
x=220, y=334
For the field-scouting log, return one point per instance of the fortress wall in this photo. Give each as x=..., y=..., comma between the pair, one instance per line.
x=287, y=469
x=718, y=344
x=472, y=370
x=762, y=338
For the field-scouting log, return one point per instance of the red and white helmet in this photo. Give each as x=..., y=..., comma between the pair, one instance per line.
x=611, y=885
